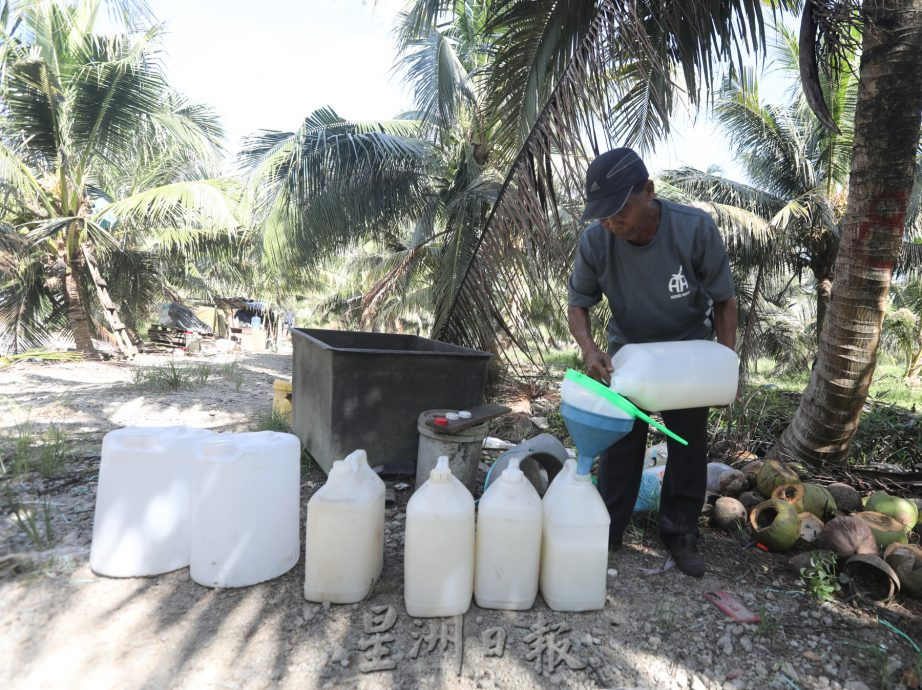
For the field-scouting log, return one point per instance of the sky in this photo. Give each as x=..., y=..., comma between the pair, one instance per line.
x=268, y=64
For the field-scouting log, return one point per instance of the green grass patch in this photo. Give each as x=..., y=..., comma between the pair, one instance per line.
x=171, y=376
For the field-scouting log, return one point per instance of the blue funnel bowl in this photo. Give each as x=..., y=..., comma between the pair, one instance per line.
x=592, y=433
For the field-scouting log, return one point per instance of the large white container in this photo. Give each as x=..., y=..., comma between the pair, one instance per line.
x=438, y=556
x=245, y=511
x=508, y=543
x=569, y=468
x=574, y=547
x=141, y=522
x=676, y=375
x=344, y=533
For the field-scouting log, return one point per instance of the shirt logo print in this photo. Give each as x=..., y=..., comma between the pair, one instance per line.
x=678, y=283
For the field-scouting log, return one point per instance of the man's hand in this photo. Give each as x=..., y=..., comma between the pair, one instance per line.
x=598, y=364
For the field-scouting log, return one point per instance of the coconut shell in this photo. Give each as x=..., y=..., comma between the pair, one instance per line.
x=732, y=483
x=728, y=513
x=775, y=524
x=909, y=549
x=898, y=508
x=846, y=536
x=847, y=498
x=751, y=470
x=750, y=499
x=774, y=473
x=810, y=527
x=886, y=530
x=804, y=560
x=872, y=577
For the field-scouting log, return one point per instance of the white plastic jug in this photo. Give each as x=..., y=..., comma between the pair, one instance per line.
x=438, y=556
x=569, y=468
x=676, y=375
x=574, y=547
x=508, y=543
x=141, y=523
x=344, y=534
x=245, y=514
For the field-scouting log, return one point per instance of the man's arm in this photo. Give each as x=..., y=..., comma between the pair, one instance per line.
x=725, y=322
x=598, y=363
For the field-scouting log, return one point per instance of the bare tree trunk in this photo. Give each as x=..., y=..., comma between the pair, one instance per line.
x=751, y=320
x=887, y=122
x=76, y=306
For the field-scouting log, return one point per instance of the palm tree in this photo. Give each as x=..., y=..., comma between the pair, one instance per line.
x=418, y=186
x=96, y=150
x=888, y=116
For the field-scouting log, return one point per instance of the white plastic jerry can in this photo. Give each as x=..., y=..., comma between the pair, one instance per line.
x=245, y=511
x=574, y=547
x=676, y=375
x=508, y=543
x=569, y=468
x=344, y=533
x=438, y=557
x=141, y=522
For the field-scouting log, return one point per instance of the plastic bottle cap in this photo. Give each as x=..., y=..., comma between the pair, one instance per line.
x=464, y=414
x=441, y=472
x=356, y=459
x=452, y=416
x=440, y=421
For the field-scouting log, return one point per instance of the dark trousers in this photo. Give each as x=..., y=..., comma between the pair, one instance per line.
x=684, y=483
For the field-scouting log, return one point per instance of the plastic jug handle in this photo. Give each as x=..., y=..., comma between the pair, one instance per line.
x=620, y=401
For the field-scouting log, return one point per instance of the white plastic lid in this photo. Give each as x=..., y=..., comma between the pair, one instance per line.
x=512, y=473
x=441, y=472
x=464, y=414
x=452, y=416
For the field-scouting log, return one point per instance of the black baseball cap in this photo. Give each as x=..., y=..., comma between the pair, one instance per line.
x=609, y=181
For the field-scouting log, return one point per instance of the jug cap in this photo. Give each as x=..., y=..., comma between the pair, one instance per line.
x=356, y=459
x=340, y=468
x=512, y=473
x=441, y=472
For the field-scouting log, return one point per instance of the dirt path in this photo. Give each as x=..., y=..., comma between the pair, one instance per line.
x=61, y=626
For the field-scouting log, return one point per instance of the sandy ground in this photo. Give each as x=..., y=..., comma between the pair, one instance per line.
x=61, y=626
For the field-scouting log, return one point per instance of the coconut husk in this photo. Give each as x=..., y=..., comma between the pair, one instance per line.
x=810, y=527
x=775, y=524
x=774, y=473
x=732, y=483
x=751, y=470
x=806, y=497
x=871, y=576
x=906, y=561
x=728, y=513
x=750, y=499
x=846, y=536
x=898, y=547
x=847, y=498
x=804, y=560
x=886, y=530
x=898, y=508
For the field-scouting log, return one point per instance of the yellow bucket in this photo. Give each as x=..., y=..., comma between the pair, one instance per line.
x=281, y=400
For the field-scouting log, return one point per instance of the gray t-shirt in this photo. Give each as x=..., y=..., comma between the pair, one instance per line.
x=661, y=291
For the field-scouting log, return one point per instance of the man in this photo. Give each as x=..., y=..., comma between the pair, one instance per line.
x=664, y=269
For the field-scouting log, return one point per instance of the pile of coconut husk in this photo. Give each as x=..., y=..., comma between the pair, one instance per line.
x=866, y=537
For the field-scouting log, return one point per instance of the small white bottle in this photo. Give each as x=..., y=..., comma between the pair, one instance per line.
x=574, y=547
x=508, y=550
x=344, y=533
x=438, y=563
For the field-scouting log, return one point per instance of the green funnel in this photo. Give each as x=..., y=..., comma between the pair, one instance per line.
x=620, y=401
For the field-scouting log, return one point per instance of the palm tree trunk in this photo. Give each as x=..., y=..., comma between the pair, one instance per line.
x=823, y=295
x=77, y=317
x=887, y=122
x=751, y=320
